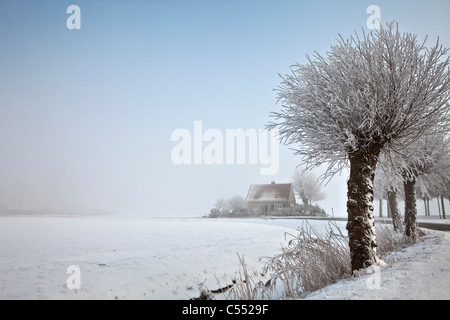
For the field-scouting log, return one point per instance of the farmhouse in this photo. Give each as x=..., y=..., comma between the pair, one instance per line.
x=271, y=198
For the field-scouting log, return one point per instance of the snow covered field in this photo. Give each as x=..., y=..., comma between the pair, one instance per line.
x=167, y=258
x=129, y=258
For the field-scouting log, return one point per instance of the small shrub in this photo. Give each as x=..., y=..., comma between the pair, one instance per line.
x=311, y=261
x=309, y=210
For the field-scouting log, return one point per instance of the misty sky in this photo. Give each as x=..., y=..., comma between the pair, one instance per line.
x=86, y=116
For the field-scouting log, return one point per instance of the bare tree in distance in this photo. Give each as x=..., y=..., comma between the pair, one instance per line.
x=425, y=197
x=307, y=186
x=236, y=204
x=436, y=186
x=397, y=223
x=426, y=166
x=446, y=190
x=379, y=190
x=379, y=90
x=232, y=206
x=385, y=185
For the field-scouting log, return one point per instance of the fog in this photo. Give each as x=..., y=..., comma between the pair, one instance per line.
x=87, y=115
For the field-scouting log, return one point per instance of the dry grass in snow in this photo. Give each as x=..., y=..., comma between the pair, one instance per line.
x=309, y=262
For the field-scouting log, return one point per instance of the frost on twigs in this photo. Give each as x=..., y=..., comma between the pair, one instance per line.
x=310, y=261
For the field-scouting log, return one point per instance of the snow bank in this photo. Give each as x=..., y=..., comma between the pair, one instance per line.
x=421, y=271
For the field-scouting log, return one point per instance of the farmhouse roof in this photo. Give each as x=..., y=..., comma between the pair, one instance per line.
x=269, y=192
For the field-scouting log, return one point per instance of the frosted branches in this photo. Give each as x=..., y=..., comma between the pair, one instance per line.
x=382, y=89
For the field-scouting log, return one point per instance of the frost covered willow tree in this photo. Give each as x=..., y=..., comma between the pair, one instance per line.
x=384, y=182
x=370, y=92
x=446, y=190
x=307, y=187
x=425, y=163
x=379, y=189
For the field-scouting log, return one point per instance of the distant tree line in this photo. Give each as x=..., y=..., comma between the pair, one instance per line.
x=233, y=207
x=428, y=177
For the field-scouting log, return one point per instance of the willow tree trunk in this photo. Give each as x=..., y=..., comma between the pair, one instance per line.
x=410, y=208
x=389, y=215
x=443, y=208
x=360, y=225
x=439, y=208
x=395, y=213
x=381, y=207
x=426, y=202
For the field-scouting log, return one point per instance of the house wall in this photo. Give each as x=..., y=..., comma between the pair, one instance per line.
x=253, y=206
